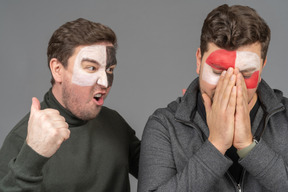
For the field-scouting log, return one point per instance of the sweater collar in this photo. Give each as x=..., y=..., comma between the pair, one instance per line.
x=51, y=102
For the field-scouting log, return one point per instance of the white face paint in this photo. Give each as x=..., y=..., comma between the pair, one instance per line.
x=209, y=76
x=221, y=60
x=97, y=54
x=247, y=60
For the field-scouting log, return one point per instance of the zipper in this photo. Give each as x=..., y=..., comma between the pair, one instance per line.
x=190, y=124
x=235, y=184
x=239, y=187
x=268, y=117
x=265, y=125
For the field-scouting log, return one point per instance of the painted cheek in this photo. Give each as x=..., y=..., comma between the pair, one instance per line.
x=252, y=82
x=209, y=76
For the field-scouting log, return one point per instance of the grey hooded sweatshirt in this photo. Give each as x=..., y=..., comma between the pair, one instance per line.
x=176, y=155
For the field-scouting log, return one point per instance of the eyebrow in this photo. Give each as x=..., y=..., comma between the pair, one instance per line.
x=90, y=60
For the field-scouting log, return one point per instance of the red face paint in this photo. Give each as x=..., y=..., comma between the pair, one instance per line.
x=221, y=59
x=252, y=81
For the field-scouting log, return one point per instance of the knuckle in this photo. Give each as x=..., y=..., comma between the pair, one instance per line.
x=66, y=125
x=44, y=117
x=54, y=132
x=59, y=142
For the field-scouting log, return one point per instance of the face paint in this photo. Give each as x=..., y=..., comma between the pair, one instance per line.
x=102, y=57
x=111, y=60
x=219, y=60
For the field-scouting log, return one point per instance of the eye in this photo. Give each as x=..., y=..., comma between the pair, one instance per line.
x=217, y=72
x=91, y=68
x=110, y=70
x=247, y=75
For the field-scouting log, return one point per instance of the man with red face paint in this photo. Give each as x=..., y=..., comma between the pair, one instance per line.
x=71, y=142
x=229, y=131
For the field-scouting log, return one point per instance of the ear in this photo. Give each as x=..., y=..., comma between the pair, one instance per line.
x=56, y=68
x=198, y=60
x=264, y=63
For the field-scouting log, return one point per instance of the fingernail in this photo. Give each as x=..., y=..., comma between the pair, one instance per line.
x=232, y=78
x=223, y=73
x=230, y=70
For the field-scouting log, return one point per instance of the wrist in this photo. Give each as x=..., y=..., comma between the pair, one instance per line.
x=243, y=145
x=244, y=152
x=220, y=147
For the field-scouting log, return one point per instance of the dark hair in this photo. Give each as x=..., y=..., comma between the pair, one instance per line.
x=232, y=27
x=75, y=33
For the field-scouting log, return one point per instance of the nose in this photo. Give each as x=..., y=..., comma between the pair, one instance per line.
x=102, y=80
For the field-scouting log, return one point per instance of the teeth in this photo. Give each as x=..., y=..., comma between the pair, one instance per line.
x=98, y=95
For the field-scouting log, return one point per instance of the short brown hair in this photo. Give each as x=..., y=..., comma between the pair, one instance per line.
x=232, y=27
x=75, y=33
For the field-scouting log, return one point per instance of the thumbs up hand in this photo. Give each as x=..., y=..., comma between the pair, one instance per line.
x=47, y=129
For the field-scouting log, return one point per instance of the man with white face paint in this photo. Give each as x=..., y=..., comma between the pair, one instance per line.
x=229, y=131
x=71, y=142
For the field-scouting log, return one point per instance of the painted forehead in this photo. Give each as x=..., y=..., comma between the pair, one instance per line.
x=103, y=55
x=111, y=56
x=222, y=59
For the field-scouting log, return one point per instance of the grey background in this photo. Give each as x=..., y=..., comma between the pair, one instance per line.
x=156, y=56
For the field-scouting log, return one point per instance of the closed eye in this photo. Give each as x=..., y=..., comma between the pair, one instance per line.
x=247, y=73
x=247, y=76
x=217, y=72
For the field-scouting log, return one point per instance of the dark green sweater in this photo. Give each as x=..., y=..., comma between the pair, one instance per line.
x=98, y=156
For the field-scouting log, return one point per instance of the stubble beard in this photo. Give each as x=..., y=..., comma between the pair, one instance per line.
x=72, y=103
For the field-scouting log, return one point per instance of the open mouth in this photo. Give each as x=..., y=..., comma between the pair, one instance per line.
x=98, y=96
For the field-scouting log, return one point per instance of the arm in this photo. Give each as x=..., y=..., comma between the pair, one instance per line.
x=134, y=153
x=133, y=144
x=22, y=160
x=158, y=170
x=22, y=171
x=267, y=166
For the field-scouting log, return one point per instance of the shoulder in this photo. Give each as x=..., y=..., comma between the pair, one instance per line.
x=112, y=118
x=281, y=98
x=109, y=113
x=167, y=112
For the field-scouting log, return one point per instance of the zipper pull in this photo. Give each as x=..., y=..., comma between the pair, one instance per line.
x=239, y=187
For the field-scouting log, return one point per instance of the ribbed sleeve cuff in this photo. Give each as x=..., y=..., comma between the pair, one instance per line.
x=29, y=162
